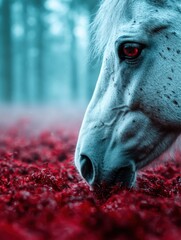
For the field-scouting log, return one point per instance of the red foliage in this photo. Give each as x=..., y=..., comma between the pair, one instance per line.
x=43, y=197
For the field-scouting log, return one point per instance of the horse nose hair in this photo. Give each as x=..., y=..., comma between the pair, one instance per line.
x=87, y=169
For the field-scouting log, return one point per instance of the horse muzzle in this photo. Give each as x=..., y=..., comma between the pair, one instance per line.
x=123, y=174
x=112, y=153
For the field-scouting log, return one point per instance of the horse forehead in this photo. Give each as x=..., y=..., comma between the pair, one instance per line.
x=144, y=7
x=143, y=12
x=149, y=21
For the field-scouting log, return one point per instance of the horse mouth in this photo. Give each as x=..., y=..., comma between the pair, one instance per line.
x=125, y=178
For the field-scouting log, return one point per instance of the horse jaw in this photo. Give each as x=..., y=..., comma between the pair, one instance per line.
x=173, y=153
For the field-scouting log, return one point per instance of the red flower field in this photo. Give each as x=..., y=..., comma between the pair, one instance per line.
x=43, y=197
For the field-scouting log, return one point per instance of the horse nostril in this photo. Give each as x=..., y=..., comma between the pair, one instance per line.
x=87, y=169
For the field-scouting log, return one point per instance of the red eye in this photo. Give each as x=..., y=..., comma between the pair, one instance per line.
x=130, y=50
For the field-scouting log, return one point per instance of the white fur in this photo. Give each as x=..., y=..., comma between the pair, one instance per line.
x=135, y=112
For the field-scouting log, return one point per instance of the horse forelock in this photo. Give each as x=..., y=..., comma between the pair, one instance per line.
x=109, y=15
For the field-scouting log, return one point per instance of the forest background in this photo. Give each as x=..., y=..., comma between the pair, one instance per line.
x=45, y=52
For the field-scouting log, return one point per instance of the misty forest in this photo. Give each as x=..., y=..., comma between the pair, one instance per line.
x=45, y=51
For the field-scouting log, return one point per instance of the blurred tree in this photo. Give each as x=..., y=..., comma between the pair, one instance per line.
x=73, y=51
x=89, y=7
x=43, y=50
x=7, y=51
x=40, y=29
x=25, y=77
x=1, y=59
x=93, y=66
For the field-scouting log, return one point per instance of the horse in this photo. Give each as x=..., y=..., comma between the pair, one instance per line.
x=134, y=115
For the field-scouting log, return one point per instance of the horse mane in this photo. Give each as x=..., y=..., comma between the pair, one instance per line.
x=109, y=14
x=102, y=25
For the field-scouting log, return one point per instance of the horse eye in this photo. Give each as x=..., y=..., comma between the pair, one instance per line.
x=129, y=50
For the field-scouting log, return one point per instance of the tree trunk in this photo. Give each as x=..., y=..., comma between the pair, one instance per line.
x=73, y=59
x=40, y=46
x=1, y=59
x=73, y=55
x=40, y=94
x=25, y=79
x=7, y=52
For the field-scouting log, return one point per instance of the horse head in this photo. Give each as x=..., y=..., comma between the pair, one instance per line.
x=135, y=112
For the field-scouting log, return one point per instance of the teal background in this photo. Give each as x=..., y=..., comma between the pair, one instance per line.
x=45, y=52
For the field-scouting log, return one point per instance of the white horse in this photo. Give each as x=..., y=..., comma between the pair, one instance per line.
x=135, y=112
